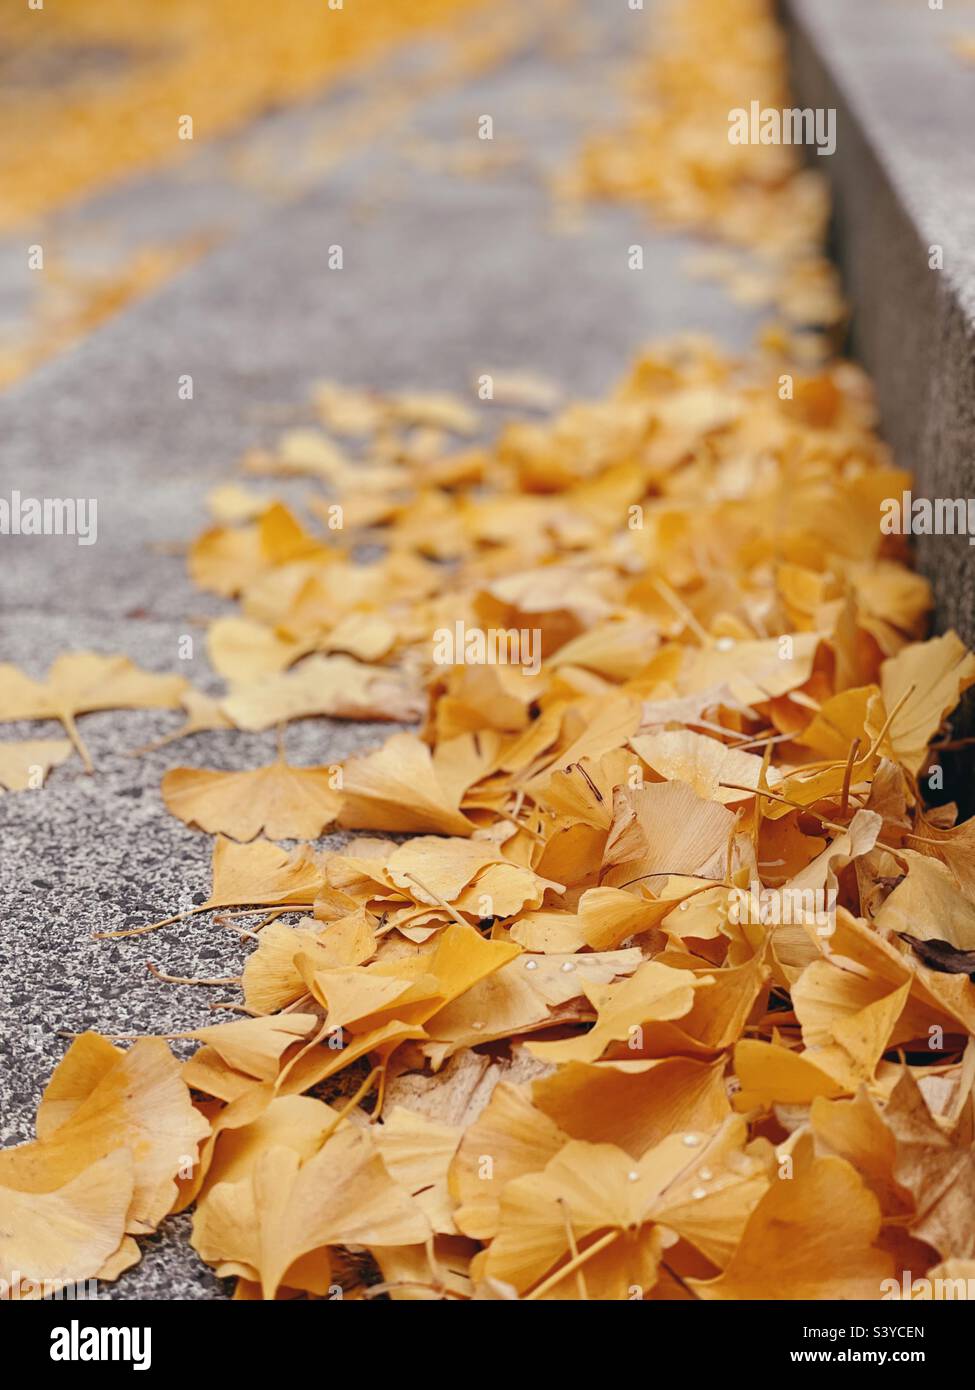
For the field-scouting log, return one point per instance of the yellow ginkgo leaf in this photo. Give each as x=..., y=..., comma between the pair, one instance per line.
x=80, y=683
x=705, y=764
x=927, y=904
x=634, y=1105
x=64, y=1235
x=138, y=1103
x=754, y=671
x=260, y=1227
x=934, y=1163
x=654, y=992
x=666, y=828
x=855, y=1130
x=256, y=1045
x=262, y=873
x=524, y=995
x=584, y=1191
x=244, y=651
x=398, y=788
x=434, y=870
x=924, y=683
x=417, y=1152
x=509, y=1139
x=246, y=1127
x=24, y=766
x=335, y=686
x=285, y=802
x=811, y=1236
x=271, y=975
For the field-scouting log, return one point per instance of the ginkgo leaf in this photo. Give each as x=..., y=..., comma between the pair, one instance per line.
x=285, y=802
x=855, y=1130
x=398, y=788
x=226, y=559
x=369, y=637
x=383, y=1004
x=256, y=1045
x=936, y=999
x=934, y=1163
x=411, y=989
x=64, y=1235
x=243, y=651
x=437, y=408
x=309, y=451
x=509, y=1139
x=609, y=916
x=810, y=1237
x=848, y=1029
x=432, y=869
x=634, y=1105
x=25, y=765
x=408, y=1269
x=325, y=685
x=246, y=1127
x=927, y=905
x=666, y=828
x=708, y=1199
x=348, y=410
x=522, y=996
x=584, y=791
x=583, y=1190
x=138, y=1104
x=262, y=873
x=924, y=683
x=704, y=764
x=271, y=975
x=754, y=671
x=80, y=683
x=87, y=1062
x=231, y=503
x=260, y=1227
x=654, y=992
x=954, y=846
x=771, y=1074
x=417, y=1152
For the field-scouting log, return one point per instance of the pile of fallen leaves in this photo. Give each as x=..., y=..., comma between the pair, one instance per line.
x=522, y=1035
x=763, y=203
x=95, y=89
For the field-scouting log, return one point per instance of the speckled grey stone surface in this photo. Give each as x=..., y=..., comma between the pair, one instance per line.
x=444, y=276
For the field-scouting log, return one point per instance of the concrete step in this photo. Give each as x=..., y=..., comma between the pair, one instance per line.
x=903, y=179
